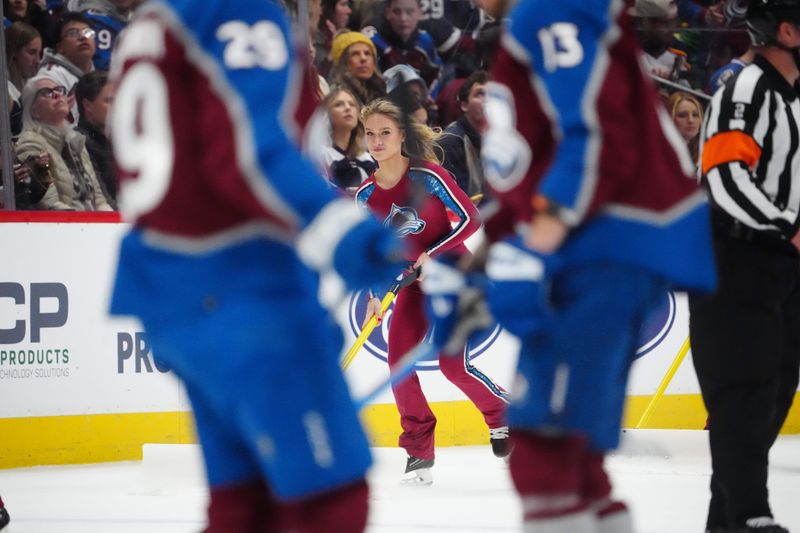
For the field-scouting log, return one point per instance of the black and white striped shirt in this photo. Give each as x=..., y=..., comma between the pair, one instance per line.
x=750, y=156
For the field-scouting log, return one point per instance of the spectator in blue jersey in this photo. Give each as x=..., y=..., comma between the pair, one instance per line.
x=399, y=40
x=466, y=15
x=71, y=57
x=355, y=66
x=45, y=130
x=346, y=161
x=94, y=95
x=107, y=18
x=23, y=53
x=465, y=35
x=721, y=76
x=687, y=114
x=461, y=142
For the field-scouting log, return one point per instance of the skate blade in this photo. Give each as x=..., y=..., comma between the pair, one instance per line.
x=417, y=478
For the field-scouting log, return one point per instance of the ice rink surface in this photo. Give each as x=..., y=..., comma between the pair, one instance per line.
x=662, y=474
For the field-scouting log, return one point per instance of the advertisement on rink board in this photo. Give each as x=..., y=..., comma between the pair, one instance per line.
x=61, y=354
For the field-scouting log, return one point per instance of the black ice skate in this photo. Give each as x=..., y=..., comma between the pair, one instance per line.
x=501, y=445
x=4, y=518
x=761, y=524
x=418, y=471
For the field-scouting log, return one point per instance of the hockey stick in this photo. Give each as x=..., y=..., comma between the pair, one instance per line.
x=400, y=282
x=662, y=387
x=400, y=372
x=474, y=316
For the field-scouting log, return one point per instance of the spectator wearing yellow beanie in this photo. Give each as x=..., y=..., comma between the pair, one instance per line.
x=342, y=41
x=355, y=66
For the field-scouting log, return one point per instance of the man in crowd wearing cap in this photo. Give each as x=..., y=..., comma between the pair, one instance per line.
x=656, y=21
x=406, y=88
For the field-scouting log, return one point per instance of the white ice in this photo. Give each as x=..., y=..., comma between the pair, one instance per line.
x=662, y=474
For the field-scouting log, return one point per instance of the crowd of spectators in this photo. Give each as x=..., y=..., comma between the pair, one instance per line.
x=57, y=53
x=429, y=56
x=439, y=52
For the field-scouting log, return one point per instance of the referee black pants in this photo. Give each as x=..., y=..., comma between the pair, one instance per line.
x=746, y=350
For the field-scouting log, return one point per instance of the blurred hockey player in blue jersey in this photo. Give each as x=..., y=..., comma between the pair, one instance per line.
x=231, y=230
x=594, y=217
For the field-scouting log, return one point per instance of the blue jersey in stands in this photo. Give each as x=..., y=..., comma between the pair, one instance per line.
x=721, y=76
x=462, y=14
x=107, y=28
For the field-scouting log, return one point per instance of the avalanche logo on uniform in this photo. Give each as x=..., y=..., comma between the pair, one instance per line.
x=376, y=343
x=404, y=220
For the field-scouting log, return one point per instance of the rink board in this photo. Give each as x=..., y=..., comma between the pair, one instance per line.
x=77, y=386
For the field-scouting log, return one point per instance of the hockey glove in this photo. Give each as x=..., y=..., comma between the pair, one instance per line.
x=455, y=305
x=505, y=154
x=344, y=238
x=368, y=255
x=519, y=294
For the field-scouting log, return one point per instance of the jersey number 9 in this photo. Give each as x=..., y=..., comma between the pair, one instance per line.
x=143, y=138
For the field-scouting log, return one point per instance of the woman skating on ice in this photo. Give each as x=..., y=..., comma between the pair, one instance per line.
x=411, y=193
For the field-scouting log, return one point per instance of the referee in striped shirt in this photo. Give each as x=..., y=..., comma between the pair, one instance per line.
x=746, y=337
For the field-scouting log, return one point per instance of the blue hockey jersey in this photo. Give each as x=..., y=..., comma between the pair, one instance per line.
x=575, y=122
x=240, y=194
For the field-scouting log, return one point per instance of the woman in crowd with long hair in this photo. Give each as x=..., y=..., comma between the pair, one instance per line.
x=23, y=54
x=333, y=19
x=413, y=194
x=687, y=113
x=346, y=161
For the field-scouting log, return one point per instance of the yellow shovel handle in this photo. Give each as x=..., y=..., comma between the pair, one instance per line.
x=662, y=387
x=367, y=331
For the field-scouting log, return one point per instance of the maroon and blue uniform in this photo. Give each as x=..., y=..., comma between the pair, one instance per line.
x=230, y=229
x=419, y=208
x=577, y=132
x=576, y=125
